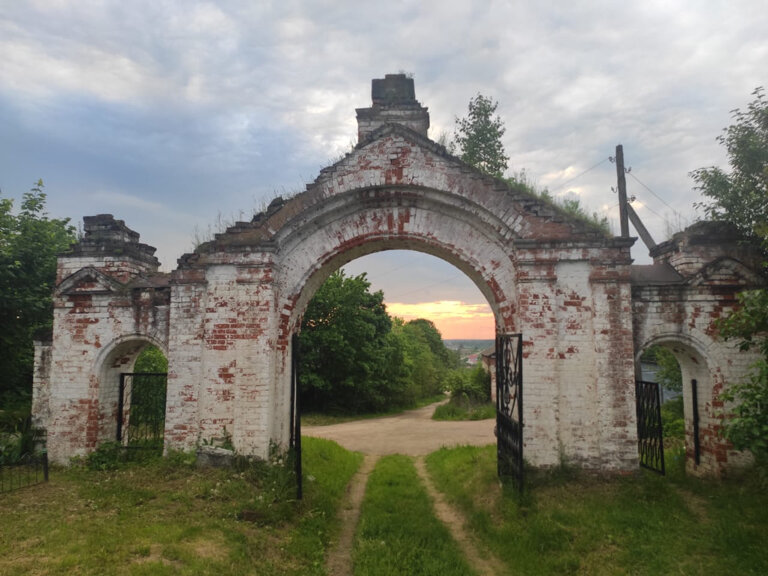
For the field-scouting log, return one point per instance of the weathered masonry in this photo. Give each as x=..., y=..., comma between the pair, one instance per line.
x=225, y=317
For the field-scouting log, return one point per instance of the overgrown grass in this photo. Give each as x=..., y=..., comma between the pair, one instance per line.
x=168, y=517
x=398, y=531
x=464, y=411
x=573, y=523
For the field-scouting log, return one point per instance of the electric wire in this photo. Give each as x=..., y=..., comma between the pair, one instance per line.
x=654, y=193
x=580, y=175
x=652, y=211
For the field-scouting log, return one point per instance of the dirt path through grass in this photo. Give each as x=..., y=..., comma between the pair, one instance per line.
x=448, y=515
x=412, y=433
x=339, y=561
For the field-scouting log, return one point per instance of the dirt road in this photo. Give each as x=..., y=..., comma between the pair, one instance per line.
x=413, y=433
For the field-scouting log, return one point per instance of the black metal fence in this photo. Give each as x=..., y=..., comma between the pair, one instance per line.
x=30, y=470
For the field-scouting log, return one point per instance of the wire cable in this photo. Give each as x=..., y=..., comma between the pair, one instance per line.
x=656, y=195
x=580, y=175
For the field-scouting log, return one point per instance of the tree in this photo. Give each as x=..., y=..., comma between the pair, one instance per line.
x=746, y=425
x=29, y=244
x=344, y=347
x=151, y=360
x=668, y=373
x=478, y=137
x=741, y=198
x=355, y=358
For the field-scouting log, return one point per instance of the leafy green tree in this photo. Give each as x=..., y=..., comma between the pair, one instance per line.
x=741, y=195
x=151, y=360
x=29, y=244
x=478, y=137
x=355, y=358
x=668, y=374
x=746, y=426
x=344, y=347
x=741, y=198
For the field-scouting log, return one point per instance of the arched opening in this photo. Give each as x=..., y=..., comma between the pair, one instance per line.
x=401, y=358
x=686, y=390
x=386, y=319
x=132, y=393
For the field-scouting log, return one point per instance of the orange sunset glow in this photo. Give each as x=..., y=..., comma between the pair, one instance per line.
x=454, y=319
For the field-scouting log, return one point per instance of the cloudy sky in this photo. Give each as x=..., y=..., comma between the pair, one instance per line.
x=176, y=115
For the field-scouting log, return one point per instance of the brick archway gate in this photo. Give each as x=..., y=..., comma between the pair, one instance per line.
x=237, y=300
x=226, y=315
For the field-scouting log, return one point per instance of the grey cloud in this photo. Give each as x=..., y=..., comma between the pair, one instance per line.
x=212, y=107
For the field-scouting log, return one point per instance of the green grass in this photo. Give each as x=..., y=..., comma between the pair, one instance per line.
x=573, y=523
x=398, y=531
x=168, y=517
x=463, y=411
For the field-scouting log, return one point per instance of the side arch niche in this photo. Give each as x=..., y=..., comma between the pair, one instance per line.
x=115, y=359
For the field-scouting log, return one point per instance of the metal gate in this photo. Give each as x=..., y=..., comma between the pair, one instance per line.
x=295, y=439
x=650, y=435
x=509, y=407
x=141, y=410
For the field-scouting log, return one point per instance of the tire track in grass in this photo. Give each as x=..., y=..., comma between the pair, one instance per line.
x=339, y=561
x=484, y=564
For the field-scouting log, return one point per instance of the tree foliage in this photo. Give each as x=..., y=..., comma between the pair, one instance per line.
x=741, y=195
x=746, y=426
x=29, y=244
x=741, y=198
x=355, y=358
x=478, y=137
x=151, y=360
x=668, y=373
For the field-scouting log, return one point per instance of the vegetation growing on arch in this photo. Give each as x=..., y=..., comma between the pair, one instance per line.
x=478, y=137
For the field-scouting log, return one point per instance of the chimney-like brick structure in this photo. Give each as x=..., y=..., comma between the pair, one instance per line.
x=394, y=102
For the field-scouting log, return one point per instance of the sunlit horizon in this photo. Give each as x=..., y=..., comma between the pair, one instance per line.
x=456, y=320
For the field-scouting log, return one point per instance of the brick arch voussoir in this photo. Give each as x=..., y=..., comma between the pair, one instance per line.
x=670, y=339
x=122, y=344
x=308, y=265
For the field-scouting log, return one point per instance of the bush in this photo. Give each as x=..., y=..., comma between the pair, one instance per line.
x=673, y=419
x=18, y=438
x=456, y=411
x=108, y=456
x=470, y=386
x=470, y=396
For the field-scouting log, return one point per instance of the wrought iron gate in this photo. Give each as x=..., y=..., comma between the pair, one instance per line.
x=141, y=410
x=650, y=435
x=295, y=440
x=509, y=407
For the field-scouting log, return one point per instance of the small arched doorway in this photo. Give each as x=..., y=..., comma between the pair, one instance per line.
x=132, y=375
x=702, y=451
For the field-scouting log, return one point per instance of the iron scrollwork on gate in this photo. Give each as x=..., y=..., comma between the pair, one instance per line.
x=141, y=410
x=650, y=437
x=509, y=407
